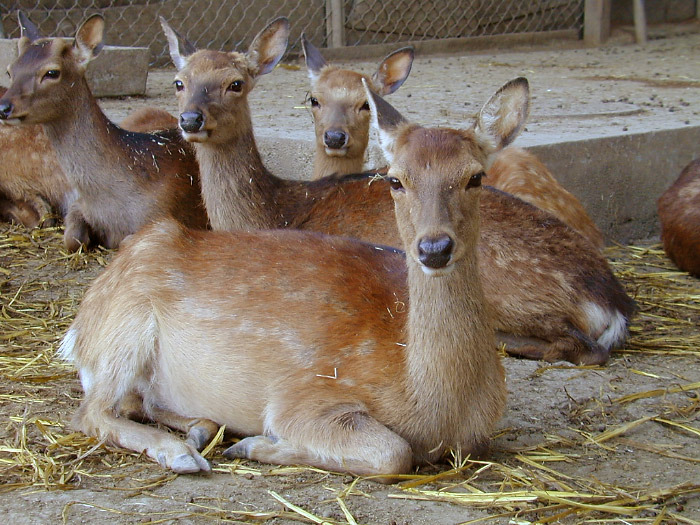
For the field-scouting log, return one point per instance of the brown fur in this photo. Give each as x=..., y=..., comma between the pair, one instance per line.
x=339, y=98
x=400, y=368
x=122, y=180
x=522, y=174
x=679, y=213
x=33, y=188
x=145, y=120
x=546, y=285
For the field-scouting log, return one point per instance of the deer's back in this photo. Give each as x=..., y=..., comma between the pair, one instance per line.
x=532, y=265
x=159, y=177
x=679, y=213
x=520, y=173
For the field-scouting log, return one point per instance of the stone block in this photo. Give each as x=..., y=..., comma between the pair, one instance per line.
x=117, y=71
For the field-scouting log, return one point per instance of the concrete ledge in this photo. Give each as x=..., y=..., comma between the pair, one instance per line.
x=117, y=71
x=618, y=179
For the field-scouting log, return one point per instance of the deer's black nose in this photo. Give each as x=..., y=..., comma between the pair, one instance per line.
x=435, y=252
x=335, y=139
x=5, y=109
x=191, y=121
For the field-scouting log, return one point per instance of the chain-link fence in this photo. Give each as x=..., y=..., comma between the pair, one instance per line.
x=231, y=24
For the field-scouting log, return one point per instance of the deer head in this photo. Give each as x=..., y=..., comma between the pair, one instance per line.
x=435, y=174
x=339, y=103
x=212, y=86
x=47, y=70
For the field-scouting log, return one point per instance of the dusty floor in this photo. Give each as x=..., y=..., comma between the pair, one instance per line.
x=619, y=443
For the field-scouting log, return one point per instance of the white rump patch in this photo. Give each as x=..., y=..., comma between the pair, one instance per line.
x=609, y=328
x=65, y=351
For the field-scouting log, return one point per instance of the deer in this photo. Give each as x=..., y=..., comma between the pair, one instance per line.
x=122, y=180
x=340, y=109
x=401, y=368
x=34, y=190
x=552, y=294
x=679, y=214
x=341, y=121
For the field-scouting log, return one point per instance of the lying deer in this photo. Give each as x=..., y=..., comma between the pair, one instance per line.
x=679, y=213
x=33, y=187
x=548, y=288
x=400, y=369
x=341, y=120
x=123, y=180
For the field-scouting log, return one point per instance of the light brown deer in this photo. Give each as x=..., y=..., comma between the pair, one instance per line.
x=679, y=213
x=400, y=368
x=148, y=119
x=32, y=183
x=33, y=188
x=341, y=110
x=341, y=123
x=549, y=289
x=123, y=180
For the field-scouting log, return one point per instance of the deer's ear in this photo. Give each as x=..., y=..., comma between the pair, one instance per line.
x=505, y=113
x=386, y=120
x=268, y=47
x=180, y=48
x=27, y=28
x=314, y=60
x=89, y=39
x=393, y=71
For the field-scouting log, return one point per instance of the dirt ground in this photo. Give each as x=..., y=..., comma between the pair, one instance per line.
x=619, y=443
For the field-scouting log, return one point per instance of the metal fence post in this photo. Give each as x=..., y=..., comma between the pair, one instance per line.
x=335, y=23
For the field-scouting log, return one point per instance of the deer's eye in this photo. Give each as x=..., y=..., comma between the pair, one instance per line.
x=179, y=86
x=51, y=73
x=314, y=102
x=395, y=183
x=365, y=106
x=475, y=180
x=236, y=86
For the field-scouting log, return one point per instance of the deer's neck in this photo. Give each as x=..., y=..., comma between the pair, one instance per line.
x=453, y=371
x=238, y=190
x=89, y=146
x=325, y=165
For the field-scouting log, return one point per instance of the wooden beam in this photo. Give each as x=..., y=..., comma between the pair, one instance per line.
x=596, y=22
x=640, y=22
x=335, y=23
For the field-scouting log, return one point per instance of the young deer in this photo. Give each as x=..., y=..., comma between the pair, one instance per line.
x=341, y=110
x=338, y=105
x=679, y=213
x=123, y=180
x=399, y=369
x=549, y=289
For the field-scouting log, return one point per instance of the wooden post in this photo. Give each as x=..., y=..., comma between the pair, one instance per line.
x=335, y=23
x=596, y=22
x=640, y=22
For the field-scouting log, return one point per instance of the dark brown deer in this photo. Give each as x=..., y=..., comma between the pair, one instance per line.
x=33, y=188
x=123, y=180
x=549, y=289
x=212, y=326
x=341, y=119
x=679, y=213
